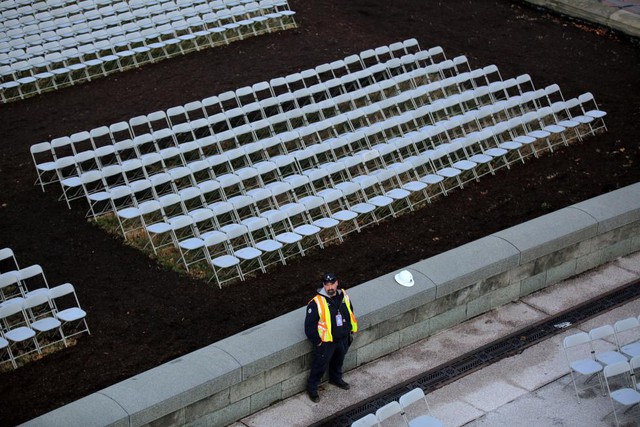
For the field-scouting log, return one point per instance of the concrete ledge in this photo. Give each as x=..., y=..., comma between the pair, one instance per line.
x=95, y=410
x=615, y=209
x=549, y=233
x=596, y=12
x=470, y=263
x=170, y=387
x=242, y=374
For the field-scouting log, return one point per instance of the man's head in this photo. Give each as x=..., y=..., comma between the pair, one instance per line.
x=330, y=283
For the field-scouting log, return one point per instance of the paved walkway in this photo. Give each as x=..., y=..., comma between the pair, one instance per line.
x=621, y=15
x=533, y=385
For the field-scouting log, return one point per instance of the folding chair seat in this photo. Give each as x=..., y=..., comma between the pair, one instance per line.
x=41, y=315
x=68, y=311
x=603, y=345
x=627, y=334
x=17, y=331
x=408, y=401
x=621, y=387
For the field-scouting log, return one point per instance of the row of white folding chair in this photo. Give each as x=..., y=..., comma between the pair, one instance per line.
x=75, y=181
x=284, y=238
x=97, y=29
x=123, y=52
x=396, y=124
x=121, y=14
x=623, y=387
x=402, y=412
x=168, y=122
x=77, y=139
x=42, y=318
x=337, y=143
x=380, y=196
x=25, y=6
x=588, y=353
x=100, y=57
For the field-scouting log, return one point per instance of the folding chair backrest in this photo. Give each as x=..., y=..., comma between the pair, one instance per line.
x=10, y=285
x=389, y=410
x=368, y=420
x=8, y=260
x=27, y=274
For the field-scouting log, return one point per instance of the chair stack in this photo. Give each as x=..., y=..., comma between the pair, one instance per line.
x=251, y=177
x=50, y=44
x=610, y=353
x=402, y=412
x=33, y=316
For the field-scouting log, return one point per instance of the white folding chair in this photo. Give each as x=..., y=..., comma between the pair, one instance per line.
x=422, y=420
x=42, y=319
x=67, y=310
x=16, y=330
x=577, y=351
x=620, y=387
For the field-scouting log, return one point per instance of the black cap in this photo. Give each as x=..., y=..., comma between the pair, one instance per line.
x=329, y=278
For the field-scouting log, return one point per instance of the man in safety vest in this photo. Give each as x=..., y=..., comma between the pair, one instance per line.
x=329, y=324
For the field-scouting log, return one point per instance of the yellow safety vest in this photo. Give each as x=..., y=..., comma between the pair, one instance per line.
x=324, y=321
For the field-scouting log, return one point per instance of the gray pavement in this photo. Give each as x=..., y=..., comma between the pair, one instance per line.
x=532, y=388
x=621, y=15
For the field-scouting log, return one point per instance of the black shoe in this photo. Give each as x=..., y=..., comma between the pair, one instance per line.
x=341, y=384
x=313, y=395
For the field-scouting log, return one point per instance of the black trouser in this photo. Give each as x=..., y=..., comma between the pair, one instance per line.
x=327, y=355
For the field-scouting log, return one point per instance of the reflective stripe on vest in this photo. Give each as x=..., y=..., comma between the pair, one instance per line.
x=324, y=317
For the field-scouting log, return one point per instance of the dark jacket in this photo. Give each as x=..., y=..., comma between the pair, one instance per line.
x=336, y=304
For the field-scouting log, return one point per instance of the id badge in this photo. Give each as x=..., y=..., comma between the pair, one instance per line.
x=339, y=319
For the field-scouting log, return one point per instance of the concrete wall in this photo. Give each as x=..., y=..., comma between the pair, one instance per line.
x=235, y=377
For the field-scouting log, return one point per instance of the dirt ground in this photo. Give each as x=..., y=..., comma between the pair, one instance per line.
x=141, y=315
